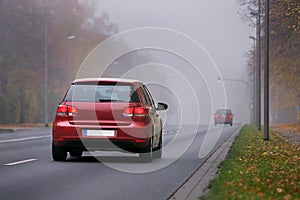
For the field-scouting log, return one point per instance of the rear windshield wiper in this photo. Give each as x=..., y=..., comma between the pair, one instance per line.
x=110, y=100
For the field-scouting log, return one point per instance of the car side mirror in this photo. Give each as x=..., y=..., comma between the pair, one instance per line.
x=161, y=106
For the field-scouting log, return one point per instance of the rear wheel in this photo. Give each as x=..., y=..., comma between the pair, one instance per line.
x=58, y=153
x=158, y=151
x=146, y=154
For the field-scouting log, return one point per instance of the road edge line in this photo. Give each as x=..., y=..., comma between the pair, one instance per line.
x=21, y=162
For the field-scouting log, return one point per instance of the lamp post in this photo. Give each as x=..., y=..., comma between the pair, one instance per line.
x=70, y=37
x=258, y=69
x=258, y=84
x=266, y=73
x=254, y=73
x=46, y=70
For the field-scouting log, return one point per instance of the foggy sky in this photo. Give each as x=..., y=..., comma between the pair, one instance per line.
x=216, y=25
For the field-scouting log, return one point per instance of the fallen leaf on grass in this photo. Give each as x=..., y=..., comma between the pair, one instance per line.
x=279, y=190
x=287, y=197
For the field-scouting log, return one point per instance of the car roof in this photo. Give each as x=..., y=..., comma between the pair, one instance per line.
x=119, y=80
x=223, y=109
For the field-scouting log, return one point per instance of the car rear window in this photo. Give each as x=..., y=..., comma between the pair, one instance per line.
x=89, y=92
x=223, y=111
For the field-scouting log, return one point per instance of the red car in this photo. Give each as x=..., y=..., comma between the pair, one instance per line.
x=223, y=116
x=107, y=114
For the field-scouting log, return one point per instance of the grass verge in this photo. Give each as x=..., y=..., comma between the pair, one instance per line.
x=258, y=169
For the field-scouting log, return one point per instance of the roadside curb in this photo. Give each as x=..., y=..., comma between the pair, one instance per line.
x=196, y=186
x=16, y=129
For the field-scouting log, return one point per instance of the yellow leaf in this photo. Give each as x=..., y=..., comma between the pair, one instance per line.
x=296, y=158
x=287, y=197
x=279, y=190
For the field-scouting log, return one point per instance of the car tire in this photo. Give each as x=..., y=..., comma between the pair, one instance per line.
x=147, y=154
x=215, y=124
x=76, y=153
x=230, y=124
x=158, y=151
x=58, y=153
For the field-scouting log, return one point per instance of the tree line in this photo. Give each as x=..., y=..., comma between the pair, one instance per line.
x=284, y=51
x=69, y=29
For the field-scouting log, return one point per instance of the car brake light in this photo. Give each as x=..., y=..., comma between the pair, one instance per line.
x=140, y=112
x=135, y=111
x=216, y=115
x=66, y=110
x=230, y=116
x=128, y=112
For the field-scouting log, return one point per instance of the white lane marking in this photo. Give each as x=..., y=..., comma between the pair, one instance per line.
x=21, y=162
x=23, y=139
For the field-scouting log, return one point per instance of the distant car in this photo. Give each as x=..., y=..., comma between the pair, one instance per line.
x=223, y=116
x=107, y=114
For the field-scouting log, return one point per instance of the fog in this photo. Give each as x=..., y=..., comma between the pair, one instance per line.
x=214, y=25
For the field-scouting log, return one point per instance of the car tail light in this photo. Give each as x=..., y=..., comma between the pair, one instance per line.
x=66, y=110
x=216, y=115
x=135, y=111
x=140, y=112
x=128, y=112
x=230, y=116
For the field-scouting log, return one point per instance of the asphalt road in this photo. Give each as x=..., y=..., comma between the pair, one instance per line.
x=28, y=172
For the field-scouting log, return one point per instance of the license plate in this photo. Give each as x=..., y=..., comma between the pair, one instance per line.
x=103, y=133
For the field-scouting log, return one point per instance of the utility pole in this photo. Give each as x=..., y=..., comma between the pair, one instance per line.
x=258, y=74
x=254, y=81
x=266, y=73
x=70, y=77
x=46, y=69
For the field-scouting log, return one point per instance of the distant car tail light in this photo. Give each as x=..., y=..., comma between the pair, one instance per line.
x=230, y=116
x=66, y=110
x=135, y=111
x=216, y=115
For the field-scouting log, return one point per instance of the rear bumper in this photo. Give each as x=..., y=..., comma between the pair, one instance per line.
x=103, y=145
x=131, y=138
x=223, y=121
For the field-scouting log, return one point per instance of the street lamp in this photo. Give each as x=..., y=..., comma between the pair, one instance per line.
x=254, y=73
x=253, y=38
x=236, y=80
x=70, y=37
x=258, y=73
x=258, y=88
x=266, y=73
x=46, y=70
